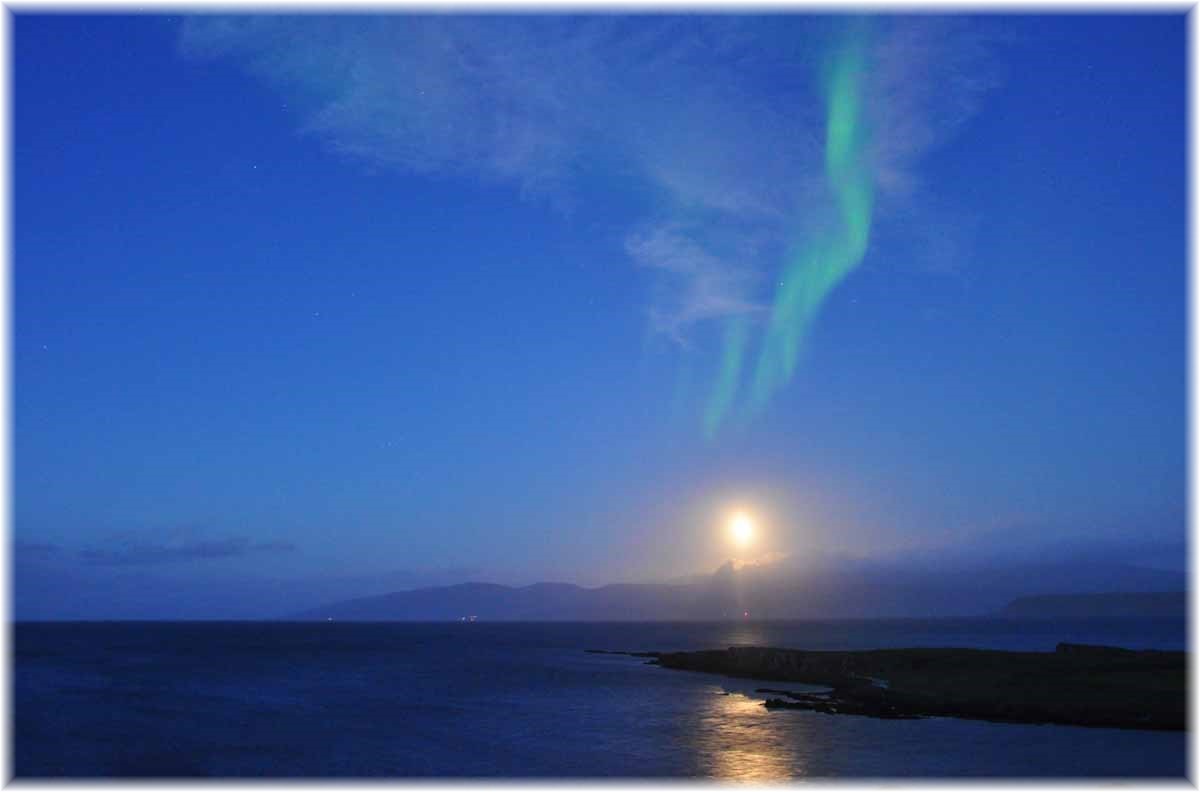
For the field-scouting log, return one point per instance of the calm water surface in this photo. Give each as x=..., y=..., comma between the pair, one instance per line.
x=513, y=700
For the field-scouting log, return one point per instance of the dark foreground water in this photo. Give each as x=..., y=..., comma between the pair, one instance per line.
x=512, y=700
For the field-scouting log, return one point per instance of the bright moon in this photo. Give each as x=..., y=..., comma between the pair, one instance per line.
x=741, y=528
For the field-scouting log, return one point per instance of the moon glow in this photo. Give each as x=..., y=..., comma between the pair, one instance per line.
x=741, y=529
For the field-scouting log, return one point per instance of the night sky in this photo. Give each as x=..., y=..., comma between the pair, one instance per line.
x=347, y=305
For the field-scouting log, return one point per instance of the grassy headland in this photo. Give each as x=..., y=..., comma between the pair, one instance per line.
x=1075, y=684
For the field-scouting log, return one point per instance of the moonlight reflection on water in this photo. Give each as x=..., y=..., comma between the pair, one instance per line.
x=737, y=741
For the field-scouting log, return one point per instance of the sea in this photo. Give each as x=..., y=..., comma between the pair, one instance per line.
x=341, y=700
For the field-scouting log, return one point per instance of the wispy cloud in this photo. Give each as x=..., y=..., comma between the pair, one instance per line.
x=700, y=284
x=718, y=118
x=926, y=78
x=128, y=552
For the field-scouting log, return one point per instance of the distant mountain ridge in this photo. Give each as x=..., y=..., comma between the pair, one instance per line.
x=1114, y=605
x=537, y=602
x=778, y=591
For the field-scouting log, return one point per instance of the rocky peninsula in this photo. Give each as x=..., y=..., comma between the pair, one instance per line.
x=1074, y=685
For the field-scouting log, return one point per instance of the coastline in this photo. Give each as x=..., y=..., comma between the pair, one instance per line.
x=1075, y=685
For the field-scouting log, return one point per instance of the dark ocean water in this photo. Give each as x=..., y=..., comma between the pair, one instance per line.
x=513, y=700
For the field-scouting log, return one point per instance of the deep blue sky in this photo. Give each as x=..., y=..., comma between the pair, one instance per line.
x=398, y=302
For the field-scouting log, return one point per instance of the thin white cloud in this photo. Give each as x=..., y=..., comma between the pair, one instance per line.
x=701, y=285
x=124, y=552
x=720, y=117
x=926, y=78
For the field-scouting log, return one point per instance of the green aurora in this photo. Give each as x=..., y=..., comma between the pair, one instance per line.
x=818, y=265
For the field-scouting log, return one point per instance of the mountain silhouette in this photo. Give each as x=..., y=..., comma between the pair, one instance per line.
x=767, y=591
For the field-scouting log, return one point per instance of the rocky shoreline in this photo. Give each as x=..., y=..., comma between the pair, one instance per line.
x=1074, y=685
